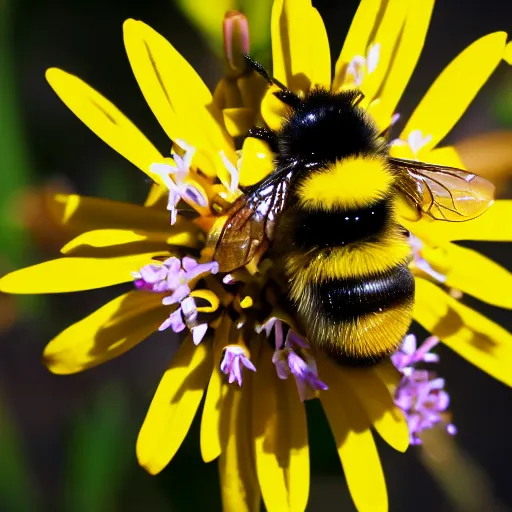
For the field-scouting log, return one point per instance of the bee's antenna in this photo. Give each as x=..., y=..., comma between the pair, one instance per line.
x=263, y=72
x=285, y=95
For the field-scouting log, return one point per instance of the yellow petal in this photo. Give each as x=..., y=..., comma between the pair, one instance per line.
x=107, y=333
x=174, y=406
x=386, y=371
x=491, y=226
x=281, y=441
x=446, y=155
x=471, y=272
x=357, y=39
x=218, y=399
x=299, y=60
x=273, y=110
x=74, y=274
x=320, y=53
x=90, y=213
x=257, y=162
x=239, y=483
x=158, y=195
x=238, y=120
x=178, y=97
x=105, y=120
x=354, y=440
x=473, y=336
x=184, y=234
x=387, y=36
x=446, y=100
x=405, y=57
x=374, y=397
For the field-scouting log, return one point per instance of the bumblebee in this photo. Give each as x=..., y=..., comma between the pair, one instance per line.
x=329, y=208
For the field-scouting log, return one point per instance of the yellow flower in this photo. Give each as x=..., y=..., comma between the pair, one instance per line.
x=258, y=430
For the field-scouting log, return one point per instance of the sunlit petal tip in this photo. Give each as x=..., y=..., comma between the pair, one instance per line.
x=105, y=334
x=445, y=101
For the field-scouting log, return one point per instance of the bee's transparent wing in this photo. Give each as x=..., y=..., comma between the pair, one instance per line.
x=251, y=222
x=444, y=193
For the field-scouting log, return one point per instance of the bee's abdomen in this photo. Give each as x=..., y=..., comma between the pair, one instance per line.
x=342, y=300
x=333, y=228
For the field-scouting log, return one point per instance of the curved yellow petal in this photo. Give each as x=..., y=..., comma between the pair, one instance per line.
x=107, y=333
x=471, y=272
x=105, y=120
x=90, y=213
x=354, y=440
x=404, y=60
x=386, y=37
x=446, y=100
x=239, y=484
x=211, y=298
x=257, y=161
x=178, y=97
x=358, y=38
x=74, y=274
x=377, y=402
x=174, y=406
x=491, y=226
x=184, y=234
x=473, y=336
x=281, y=441
x=218, y=399
x=300, y=48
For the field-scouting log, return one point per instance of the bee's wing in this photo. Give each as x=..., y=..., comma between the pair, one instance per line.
x=444, y=193
x=251, y=221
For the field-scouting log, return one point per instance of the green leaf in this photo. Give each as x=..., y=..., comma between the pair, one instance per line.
x=100, y=453
x=15, y=169
x=17, y=492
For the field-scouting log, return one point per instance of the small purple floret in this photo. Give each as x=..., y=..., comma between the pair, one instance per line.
x=421, y=393
x=291, y=356
x=235, y=358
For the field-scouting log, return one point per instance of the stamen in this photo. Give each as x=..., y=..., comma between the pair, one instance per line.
x=235, y=359
x=174, y=276
x=178, y=186
x=292, y=357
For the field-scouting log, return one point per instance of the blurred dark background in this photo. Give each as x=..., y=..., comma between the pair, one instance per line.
x=68, y=443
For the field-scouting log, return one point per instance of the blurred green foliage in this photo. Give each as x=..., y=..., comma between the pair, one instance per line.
x=15, y=169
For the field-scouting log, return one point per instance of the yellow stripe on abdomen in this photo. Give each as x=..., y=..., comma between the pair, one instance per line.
x=349, y=183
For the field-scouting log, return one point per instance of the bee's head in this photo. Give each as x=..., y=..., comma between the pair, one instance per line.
x=325, y=127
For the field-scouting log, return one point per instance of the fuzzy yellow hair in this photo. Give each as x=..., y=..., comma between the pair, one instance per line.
x=349, y=183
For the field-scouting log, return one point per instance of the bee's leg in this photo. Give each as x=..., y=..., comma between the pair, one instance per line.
x=265, y=135
x=288, y=97
x=285, y=94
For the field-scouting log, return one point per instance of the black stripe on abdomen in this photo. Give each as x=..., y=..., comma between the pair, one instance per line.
x=336, y=227
x=347, y=299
